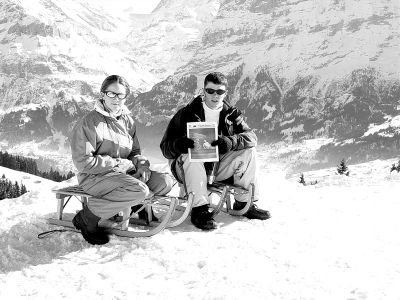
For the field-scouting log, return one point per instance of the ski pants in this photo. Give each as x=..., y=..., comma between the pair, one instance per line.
x=115, y=192
x=240, y=164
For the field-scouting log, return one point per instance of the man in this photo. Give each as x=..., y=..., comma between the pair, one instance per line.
x=236, y=145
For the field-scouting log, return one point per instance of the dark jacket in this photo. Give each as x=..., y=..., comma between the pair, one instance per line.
x=231, y=123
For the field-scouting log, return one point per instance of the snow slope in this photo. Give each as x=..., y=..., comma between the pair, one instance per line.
x=334, y=240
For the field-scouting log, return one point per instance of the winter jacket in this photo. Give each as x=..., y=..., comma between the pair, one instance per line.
x=99, y=139
x=241, y=135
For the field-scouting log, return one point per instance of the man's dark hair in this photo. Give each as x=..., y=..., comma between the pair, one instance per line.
x=216, y=78
x=115, y=78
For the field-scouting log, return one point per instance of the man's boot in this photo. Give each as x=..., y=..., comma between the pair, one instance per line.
x=202, y=218
x=254, y=212
x=87, y=223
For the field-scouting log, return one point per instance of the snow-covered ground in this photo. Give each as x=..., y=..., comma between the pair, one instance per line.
x=338, y=239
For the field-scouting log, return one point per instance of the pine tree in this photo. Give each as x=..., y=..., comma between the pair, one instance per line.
x=342, y=168
x=301, y=180
x=70, y=174
x=23, y=189
x=17, y=189
x=395, y=168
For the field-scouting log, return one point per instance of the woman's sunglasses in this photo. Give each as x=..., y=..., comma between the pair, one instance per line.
x=113, y=95
x=212, y=91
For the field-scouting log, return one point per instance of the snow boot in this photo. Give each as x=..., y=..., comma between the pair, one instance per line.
x=202, y=218
x=87, y=223
x=254, y=212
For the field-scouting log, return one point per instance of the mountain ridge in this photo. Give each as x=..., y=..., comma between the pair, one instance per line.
x=298, y=69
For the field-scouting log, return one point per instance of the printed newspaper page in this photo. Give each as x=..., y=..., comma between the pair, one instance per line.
x=203, y=134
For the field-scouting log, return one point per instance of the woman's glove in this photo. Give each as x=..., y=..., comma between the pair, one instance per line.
x=143, y=174
x=124, y=165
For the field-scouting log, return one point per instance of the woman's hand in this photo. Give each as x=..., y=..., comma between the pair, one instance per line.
x=124, y=165
x=143, y=174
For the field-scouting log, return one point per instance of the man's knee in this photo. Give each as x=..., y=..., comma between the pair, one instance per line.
x=250, y=151
x=247, y=154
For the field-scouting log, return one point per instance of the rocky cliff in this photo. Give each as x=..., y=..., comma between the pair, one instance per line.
x=299, y=69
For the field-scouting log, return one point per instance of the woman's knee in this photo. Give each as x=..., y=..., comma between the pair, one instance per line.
x=139, y=191
x=163, y=185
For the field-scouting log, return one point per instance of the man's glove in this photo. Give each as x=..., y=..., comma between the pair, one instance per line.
x=224, y=144
x=182, y=144
x=234, y=113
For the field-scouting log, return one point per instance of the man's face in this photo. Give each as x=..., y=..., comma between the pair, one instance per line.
x=211, y=97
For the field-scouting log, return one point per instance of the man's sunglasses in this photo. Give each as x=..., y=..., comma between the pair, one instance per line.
x=113, y=95
x=212, y=91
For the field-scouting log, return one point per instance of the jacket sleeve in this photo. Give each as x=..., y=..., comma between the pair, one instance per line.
x=136, y=156
x=172, y=133
x=243, y=136
x=83, y=148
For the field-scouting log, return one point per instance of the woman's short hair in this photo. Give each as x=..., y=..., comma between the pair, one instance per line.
x=216, y=78
x=112, y=79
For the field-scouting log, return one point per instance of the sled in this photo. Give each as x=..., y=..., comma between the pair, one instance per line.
x=149, y=228
x=226, y=190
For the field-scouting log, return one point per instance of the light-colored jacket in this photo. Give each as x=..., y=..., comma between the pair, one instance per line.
x=99, y=139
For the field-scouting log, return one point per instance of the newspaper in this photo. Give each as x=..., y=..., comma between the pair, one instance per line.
x=203, y=134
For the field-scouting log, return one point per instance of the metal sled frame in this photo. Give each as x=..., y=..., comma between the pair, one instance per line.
x=224, y=190
x=64, y=195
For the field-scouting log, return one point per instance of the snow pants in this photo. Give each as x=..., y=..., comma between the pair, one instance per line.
x=239, y=164
x=115, y=192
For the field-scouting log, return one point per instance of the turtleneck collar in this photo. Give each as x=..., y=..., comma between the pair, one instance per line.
x=99, y=107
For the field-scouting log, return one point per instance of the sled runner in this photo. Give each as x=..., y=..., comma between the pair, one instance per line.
x=64, y=195
x=225, y=189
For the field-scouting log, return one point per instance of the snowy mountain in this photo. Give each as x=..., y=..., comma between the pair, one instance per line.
x=334, y=240
x=169, y=37
x=54, y=55
x=299, y=69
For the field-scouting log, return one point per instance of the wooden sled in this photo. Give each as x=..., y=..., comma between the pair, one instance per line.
x=64, y=195
x=225, y=189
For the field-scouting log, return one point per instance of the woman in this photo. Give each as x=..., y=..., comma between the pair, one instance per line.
x=106, y=152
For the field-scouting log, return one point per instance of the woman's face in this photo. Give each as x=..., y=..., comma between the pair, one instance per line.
x=112, y=95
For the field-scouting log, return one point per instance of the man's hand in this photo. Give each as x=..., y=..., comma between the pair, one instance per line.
x=224, y=144
x=124, y=165
x=233, y=113
x=182, y=144
x=143, y=174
